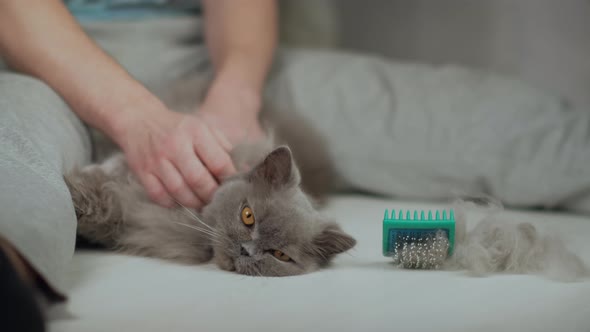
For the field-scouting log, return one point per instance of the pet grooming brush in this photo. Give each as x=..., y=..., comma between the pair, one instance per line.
x=417, y=241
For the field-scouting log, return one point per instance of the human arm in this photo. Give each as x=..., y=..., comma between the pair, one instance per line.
x=241, y=36
x=175, y=156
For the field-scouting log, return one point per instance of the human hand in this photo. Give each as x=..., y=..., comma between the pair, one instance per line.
x=236, y=130
x=234, y=112
x=177, y=157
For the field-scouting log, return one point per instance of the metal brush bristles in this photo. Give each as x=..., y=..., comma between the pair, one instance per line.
x=423, y=241
x=426, y=252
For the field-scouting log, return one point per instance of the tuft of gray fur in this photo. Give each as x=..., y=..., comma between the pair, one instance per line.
x=498, y=244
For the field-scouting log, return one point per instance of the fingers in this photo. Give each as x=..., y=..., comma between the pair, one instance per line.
x=155, y=190
x=176, y=185
x=184, y=165
x=214, y=153
x=189, y=175
x=196, y=175
x=219, y=136
x=222, y=140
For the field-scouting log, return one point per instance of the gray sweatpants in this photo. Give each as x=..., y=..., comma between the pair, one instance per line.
x=396, y=129
x=41, y=138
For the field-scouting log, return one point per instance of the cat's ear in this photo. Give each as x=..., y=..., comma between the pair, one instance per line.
x=330, y=241
x=277, y=169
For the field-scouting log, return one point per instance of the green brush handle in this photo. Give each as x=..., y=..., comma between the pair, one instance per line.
x=419, y=221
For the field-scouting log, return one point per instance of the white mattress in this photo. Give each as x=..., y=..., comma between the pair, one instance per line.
x=362, y=291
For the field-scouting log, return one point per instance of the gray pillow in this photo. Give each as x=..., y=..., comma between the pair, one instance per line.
x=428, y=132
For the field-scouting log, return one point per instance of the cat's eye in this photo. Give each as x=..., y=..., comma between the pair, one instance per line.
x=247, y=216
x=281, y=256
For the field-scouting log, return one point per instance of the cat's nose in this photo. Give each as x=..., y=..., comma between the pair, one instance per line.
x=244, y=252
x=248, y=249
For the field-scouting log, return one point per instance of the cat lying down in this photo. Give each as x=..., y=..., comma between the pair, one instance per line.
x=259, y=222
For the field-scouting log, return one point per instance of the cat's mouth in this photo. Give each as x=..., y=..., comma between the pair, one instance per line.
x=233, y=257
x=246, y=265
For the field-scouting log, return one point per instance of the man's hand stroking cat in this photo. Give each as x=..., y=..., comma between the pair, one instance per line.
x=176, y=157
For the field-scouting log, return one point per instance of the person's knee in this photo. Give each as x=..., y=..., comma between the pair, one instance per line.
x=18, y=89
x=14, y=84
x=34, y=114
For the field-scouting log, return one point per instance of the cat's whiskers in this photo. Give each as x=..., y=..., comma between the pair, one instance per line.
x=257, y=270
x=204, y=231
x=212, y=237
x=194, y=215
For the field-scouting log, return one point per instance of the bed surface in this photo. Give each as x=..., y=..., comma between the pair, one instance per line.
x=361, y=291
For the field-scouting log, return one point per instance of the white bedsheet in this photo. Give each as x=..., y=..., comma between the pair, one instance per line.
x=359, y=292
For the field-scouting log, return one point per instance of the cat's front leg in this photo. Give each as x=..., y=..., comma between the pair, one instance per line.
x=97, y=208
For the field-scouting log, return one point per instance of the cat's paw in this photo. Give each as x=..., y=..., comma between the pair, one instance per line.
x=203, y=256
x=224, y=262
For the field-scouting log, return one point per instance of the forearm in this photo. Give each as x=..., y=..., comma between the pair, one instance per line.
x=241, y=36
x=42, y=39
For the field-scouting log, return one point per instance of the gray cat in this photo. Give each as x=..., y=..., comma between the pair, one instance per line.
x=259, y=222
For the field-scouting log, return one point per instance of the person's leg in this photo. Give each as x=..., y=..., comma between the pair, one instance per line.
x=40, y=140
x=430, y=132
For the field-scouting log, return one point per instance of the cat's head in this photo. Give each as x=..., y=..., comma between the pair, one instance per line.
x=268, y=225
